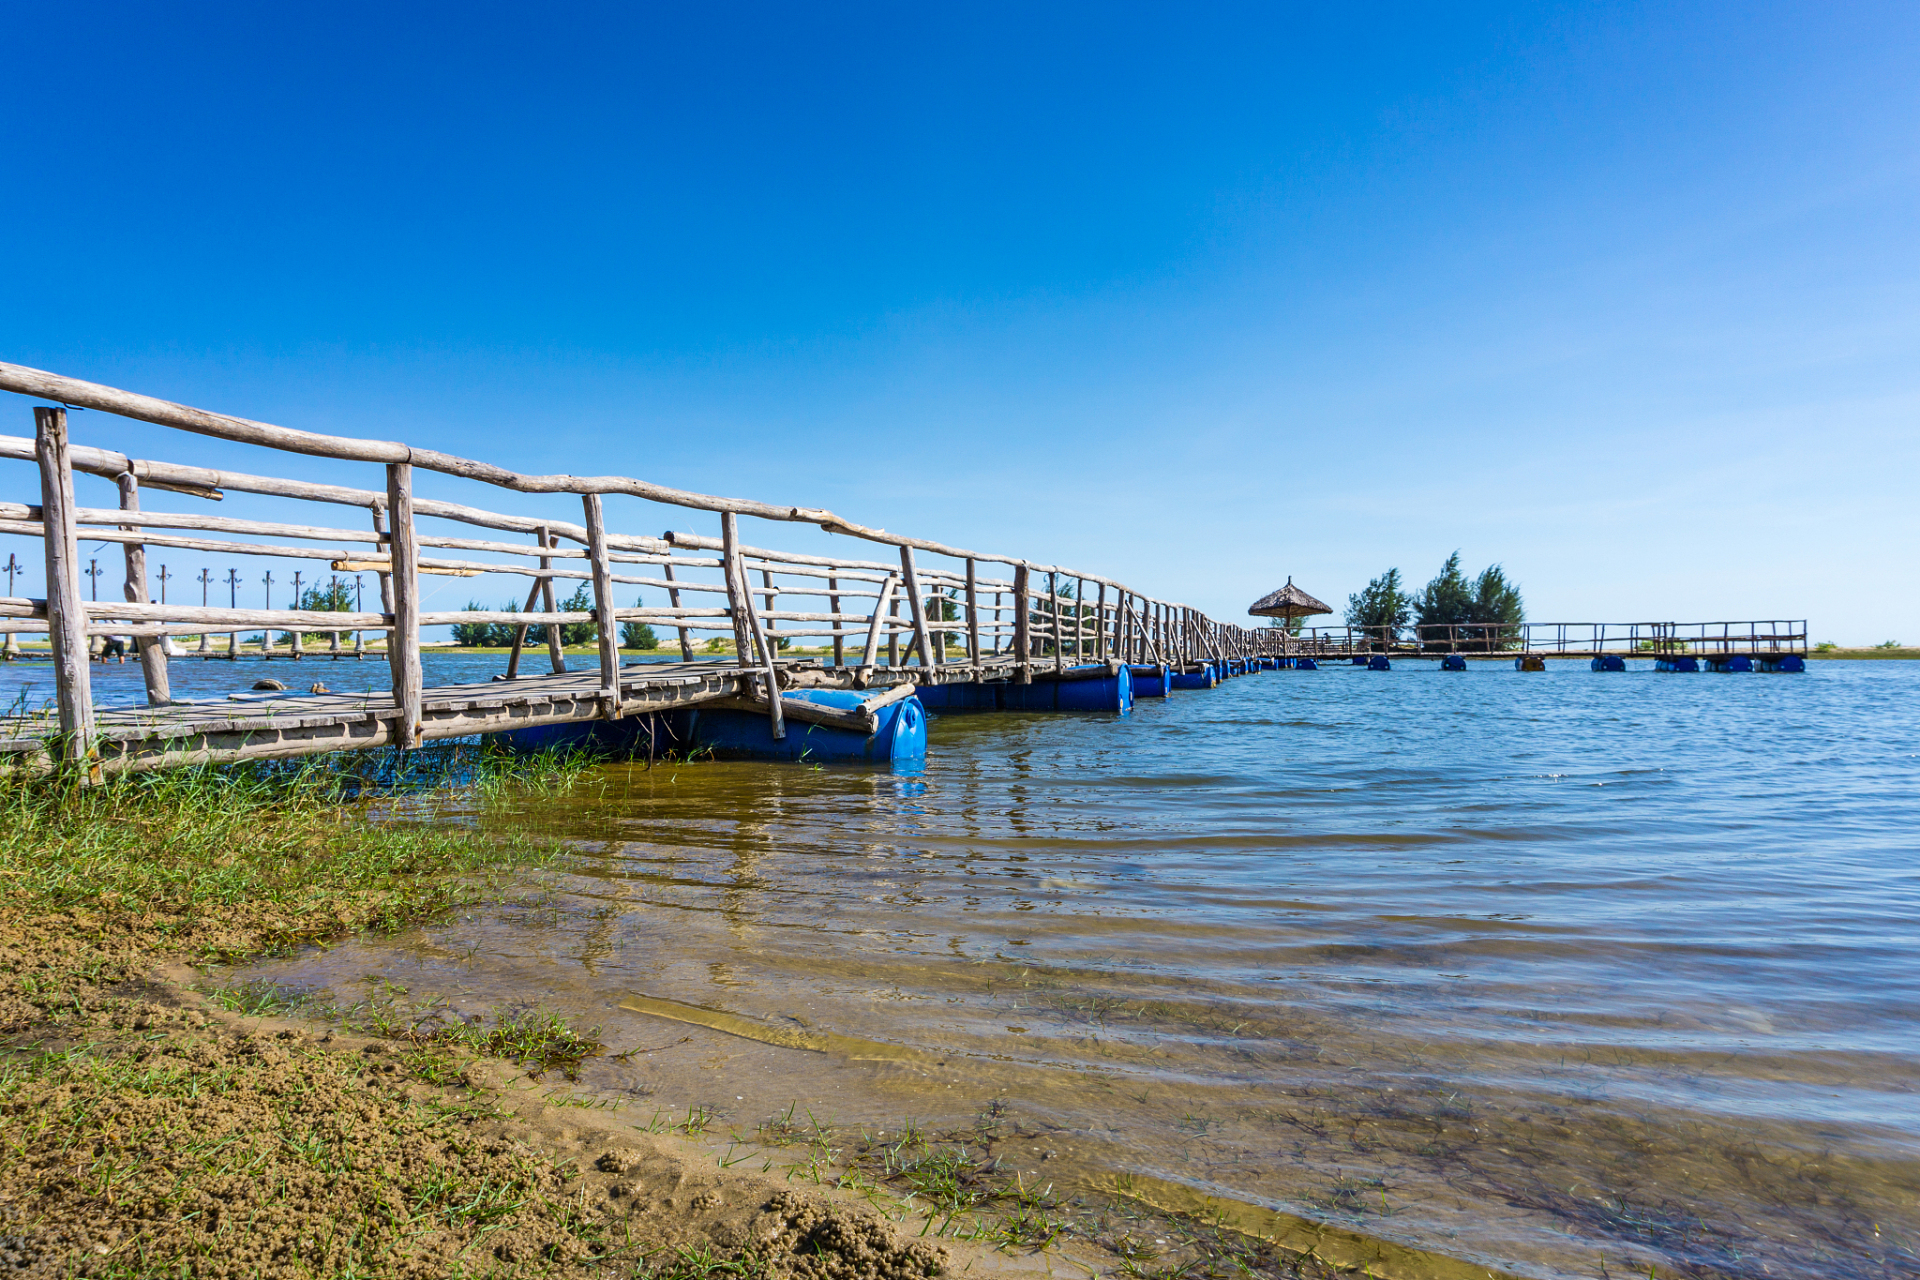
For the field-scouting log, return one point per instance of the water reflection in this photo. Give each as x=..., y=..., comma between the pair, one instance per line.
x=1571, y=975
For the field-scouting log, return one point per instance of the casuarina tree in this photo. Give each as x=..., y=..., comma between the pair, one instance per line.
x=1384, y=603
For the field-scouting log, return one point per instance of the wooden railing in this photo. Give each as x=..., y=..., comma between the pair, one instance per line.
x=920, y=604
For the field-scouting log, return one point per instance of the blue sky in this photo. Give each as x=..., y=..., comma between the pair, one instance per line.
x=1623, y=297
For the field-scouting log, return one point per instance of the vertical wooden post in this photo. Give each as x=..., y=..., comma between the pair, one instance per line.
x=1053, y=613
x=833, y=607
x=893, y=633
x=738, y=604
x=603, y=606
x=673, y=598
x=153, y=649
x=922, y=643
x=403, y=583
x=773, y=626
x=556, y=634
x=1022, y=624
x=973, y=614
x=746, y=618
x=881, y=608
x=386, y=579
x=66, y=614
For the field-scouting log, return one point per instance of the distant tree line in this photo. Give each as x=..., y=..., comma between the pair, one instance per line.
x=1450, y=597
x=499, y=635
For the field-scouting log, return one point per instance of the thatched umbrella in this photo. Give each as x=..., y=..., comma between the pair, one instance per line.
x=1288, y=602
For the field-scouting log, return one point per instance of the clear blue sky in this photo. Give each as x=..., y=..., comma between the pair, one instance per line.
x=1622, y=296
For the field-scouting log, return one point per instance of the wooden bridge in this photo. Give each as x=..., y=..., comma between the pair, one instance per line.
x=1764, y=640
x=960, y=616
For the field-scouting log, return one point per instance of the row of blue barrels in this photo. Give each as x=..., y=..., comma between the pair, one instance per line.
x=901, y=733
x=1785, y=662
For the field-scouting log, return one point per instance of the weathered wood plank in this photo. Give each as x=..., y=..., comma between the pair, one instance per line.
x=66, y=618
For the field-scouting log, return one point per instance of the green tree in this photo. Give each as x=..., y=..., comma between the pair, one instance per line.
x=638, y=635
x=332, y=597
x=1497, y=600
x=1384, y=603
x=581, y=601
x=1448, y=598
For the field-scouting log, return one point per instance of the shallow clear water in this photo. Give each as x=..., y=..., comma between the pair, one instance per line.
x=1567, y=974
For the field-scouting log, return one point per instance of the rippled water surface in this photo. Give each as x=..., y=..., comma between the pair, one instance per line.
x=1566, y=974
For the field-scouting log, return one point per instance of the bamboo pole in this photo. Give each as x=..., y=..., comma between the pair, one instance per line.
x=607, y=626
x=403, y=641
x=153, y=655
x=66, y=617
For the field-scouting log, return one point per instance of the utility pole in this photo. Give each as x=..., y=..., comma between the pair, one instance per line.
x=206, y=637
x=12, y=649
x=233, y=602
x=266, y=633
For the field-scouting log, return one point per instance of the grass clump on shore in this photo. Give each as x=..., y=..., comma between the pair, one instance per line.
x=146, y=1130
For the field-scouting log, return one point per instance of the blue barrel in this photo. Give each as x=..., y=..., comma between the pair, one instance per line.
x=1453, y=662
x=1201, y=679
x=1112, y=694
x=944, y=698
x=1791, y=662
x=902, y=734
x=1608, y=662
x=1149, y=681
x=1305, y=664
x=1736, y=662
x=1379, y=662
x=1679, y=663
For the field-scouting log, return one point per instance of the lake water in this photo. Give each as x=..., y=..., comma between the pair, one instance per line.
x=1567, y=974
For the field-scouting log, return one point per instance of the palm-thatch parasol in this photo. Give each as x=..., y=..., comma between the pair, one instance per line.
x=1288, y=602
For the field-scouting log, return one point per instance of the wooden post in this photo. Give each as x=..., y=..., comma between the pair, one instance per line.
x=603, y=605
x=893, y=635
x=1053, y=613
x=772, y=593
x=66, y=614
x=686, y=644
x=921, y=641
x=737, y=602
x=540, y=592
x=881, y=608
x=1022, y=624
x=153, y=649
x=833, y=606
x=1100, y=624
x=973, y=615
x=403, y=583
x=386, y=579
x=744, y=615
x=556, y=635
